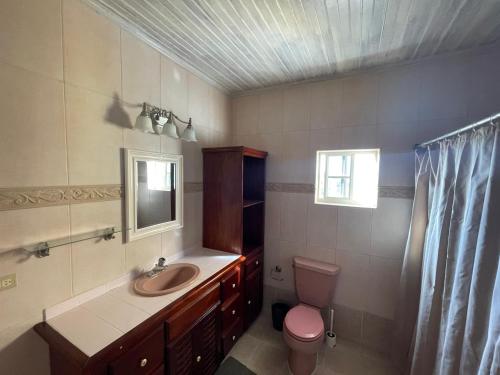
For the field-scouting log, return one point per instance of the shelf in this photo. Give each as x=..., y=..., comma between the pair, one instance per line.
x=42, y=249
x=250, y=202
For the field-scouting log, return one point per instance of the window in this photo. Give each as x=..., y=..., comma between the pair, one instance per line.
x=347, y=177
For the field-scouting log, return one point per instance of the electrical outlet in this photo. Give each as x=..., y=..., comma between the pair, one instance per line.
x=8, y=281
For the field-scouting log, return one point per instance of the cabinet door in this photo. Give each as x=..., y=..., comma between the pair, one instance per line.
x=253, y=296
x=206, y=344
x=180, y=355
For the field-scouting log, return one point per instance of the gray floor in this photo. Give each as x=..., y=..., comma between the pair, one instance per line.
x=263, y=350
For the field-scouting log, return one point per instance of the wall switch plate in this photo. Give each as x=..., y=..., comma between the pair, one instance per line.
x=8, y=281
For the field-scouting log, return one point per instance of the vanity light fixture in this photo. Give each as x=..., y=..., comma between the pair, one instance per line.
x=156, y=120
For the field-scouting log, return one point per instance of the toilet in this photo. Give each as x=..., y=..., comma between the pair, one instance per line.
x=304, y=329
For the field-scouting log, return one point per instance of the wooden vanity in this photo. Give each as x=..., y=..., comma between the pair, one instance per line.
x=183, y=338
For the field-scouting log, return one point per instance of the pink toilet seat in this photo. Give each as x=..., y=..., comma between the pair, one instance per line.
x=304, y=323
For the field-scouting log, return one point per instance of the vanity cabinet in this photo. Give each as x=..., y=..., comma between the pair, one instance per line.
x=196, y=352
x=254, y=281
x=189, y=336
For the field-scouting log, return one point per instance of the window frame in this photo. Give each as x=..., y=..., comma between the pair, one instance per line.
x=336, y=201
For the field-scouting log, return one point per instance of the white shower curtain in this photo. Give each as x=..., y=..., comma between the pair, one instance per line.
x=448, y=317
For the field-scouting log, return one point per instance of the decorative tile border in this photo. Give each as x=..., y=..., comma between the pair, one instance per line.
x=402, y=192
x=31, y=197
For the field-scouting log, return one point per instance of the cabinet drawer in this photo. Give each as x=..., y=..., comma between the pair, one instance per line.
x=230, y=285
x=231, y=311
x=230, y=337
x=184, y=319
x=143, y=358
x=254, y=262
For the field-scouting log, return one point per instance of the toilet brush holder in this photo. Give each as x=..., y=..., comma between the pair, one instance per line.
x=331, y=339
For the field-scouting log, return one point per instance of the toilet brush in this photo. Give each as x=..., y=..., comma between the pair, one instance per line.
x=331, y=338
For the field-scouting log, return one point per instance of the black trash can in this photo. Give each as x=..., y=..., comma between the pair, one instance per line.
x=279, y=311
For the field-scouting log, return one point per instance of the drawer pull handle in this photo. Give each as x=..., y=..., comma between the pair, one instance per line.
x=256, y=262
x=234, y=338
x=198, y=359
x=234, y=285
x=249, y=302
x=144, y=362
x=233, y=312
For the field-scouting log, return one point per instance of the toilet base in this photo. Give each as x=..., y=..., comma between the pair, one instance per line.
x=301, y=363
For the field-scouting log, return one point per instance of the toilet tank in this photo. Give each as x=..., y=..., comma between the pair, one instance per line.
x=314, y=281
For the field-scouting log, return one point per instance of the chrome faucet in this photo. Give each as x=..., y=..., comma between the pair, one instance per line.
x=160, y=266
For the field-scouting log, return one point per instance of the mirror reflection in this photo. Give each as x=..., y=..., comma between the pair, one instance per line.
x=156, y=192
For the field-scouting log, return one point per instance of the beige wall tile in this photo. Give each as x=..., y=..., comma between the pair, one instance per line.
x=352, y=281
x=38, y=286
x=191, y=232
x=31, y=36
x=273, y=215
x=199, y=102
x=399, y=95
x=377, y=333
x=296, y=160
x=91, y=49
x=171, y=242
x=271, y=112
x=396, y=169
x=141, y=254
x=325, y=104
x=359, y=100
x=354, y=229
x=444, y=90
x=390, y=225
x=348, y=322
x=174, y=88
x=30, y=226
x=32, y=137
x=96, y=261
x=140, y=71
x=321, y=225
x=95, y=137
x=294, y=217
x=246, y=117
x=296, y=108
x=381, y=295
x=359, y=137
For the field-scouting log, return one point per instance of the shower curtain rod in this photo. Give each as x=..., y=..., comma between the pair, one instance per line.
x=484, y=121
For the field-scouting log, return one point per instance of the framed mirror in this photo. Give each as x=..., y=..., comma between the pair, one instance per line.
x=153, y=193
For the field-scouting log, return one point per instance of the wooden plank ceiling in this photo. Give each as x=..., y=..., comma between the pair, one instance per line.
x=248, y=44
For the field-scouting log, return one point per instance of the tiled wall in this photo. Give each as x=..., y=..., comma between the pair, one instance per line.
x=391, y=108
x=68, y=78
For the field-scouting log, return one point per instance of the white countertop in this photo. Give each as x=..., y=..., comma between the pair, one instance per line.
x=96, y=323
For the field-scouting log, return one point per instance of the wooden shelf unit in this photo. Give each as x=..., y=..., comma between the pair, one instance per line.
x=233, y=216
x=233, y=198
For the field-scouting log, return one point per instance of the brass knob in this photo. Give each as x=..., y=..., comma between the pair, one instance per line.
x=234, y=338
x=144, y=362
x=233, y=312
x=249, y=302
x=234, y=285
x=198, y=359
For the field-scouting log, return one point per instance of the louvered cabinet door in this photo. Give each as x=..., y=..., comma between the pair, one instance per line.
x=180, y=355
x=206, y=344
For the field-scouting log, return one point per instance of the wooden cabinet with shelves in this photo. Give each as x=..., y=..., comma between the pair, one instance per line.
x=233, y=219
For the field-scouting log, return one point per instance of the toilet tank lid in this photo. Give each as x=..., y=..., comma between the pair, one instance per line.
x=316, y=265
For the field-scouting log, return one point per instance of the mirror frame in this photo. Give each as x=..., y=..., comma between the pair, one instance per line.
x=131, y=185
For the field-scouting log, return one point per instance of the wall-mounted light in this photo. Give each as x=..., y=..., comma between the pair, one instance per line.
x=153, y=119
